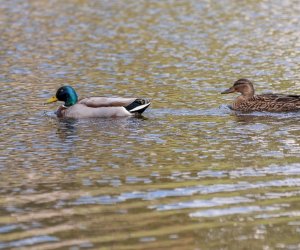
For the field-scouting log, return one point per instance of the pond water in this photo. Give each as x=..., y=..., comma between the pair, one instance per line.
x=190, y=174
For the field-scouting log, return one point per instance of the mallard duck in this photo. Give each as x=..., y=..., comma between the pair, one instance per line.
x=93, y=107
x=247, y=101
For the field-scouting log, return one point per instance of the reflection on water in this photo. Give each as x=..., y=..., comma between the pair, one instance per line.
x=191, y=173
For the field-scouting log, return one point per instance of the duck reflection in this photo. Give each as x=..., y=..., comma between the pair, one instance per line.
x=66, y=129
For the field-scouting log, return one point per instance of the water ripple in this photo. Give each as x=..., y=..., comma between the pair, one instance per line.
x=188, y=191
x=29, y=241
x=232, y=211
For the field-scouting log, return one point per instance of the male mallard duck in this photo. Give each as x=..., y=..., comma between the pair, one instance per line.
x=93, y=107
x=247, y=101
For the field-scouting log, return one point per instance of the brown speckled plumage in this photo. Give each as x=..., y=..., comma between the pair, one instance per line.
x=248, y=102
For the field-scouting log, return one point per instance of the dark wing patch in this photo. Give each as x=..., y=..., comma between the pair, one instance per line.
x=278, y=98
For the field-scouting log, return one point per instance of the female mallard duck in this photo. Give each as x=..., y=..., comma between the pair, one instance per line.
x=247, y=101
x=93, y=107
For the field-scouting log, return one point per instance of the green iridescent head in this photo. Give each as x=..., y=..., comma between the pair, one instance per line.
x=65, y=94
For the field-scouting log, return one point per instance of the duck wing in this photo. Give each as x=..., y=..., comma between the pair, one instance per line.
x=275, y=103
x=280, y=98
x=97, y=102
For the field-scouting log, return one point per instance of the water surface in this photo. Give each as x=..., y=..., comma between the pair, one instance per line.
x=190, y=174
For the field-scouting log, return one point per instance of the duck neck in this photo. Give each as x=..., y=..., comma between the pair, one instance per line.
x=239, y=101
x=69, y=103
x=71, y=100
x=243, y=98
x=248, y=94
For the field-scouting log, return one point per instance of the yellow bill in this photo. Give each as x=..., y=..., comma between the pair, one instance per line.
x=52, y=99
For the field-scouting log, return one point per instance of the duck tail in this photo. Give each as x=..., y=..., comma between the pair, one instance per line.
x=138, y=106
